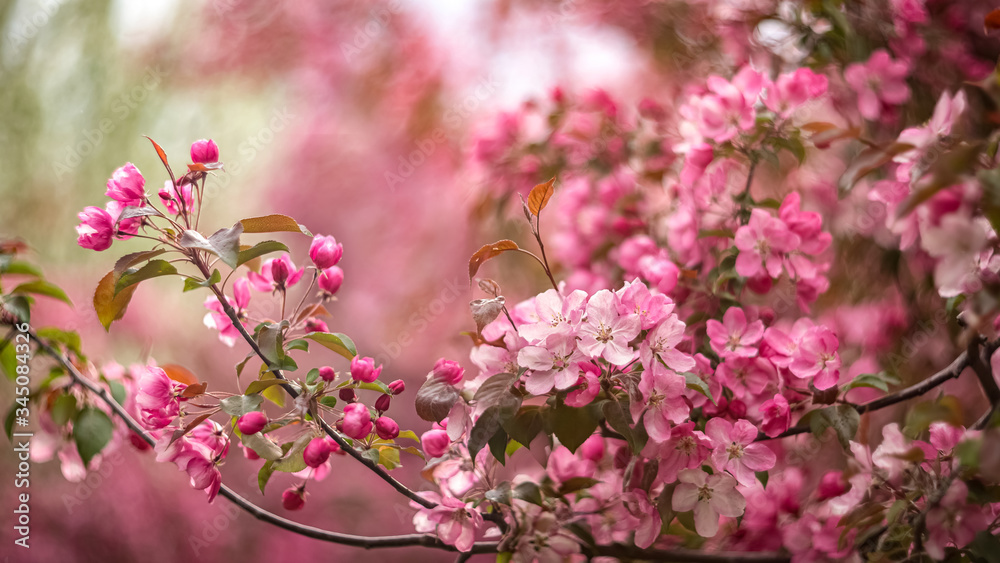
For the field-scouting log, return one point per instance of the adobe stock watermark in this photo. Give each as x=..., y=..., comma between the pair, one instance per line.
x=367, y=33
x=85, y=488
x=421, y=320
x=248, y=150
x=121, y=107
x=27, y=28
x=452, y=118
x=212, y=528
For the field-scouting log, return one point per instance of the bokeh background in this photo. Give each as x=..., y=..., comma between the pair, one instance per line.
x=315, y=105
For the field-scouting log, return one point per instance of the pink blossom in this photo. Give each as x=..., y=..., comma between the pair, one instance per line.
x=663, y=401
x=448, y=371
x=605, y=333
x=710, y=496
x=325, y=251
x=728, y=107
x=556, y=315
x=817, y=357
x=252, y=422
x=777, y=417
x=435, y=443
x=327, y=374
x=452, y=520
x=587, y=386
x=736, y=451
x=957, y=244
x=276, y=273
x=648, y=528
x=946, y=113
x=944, y=436
x=218, y=319
x=953, y=521
x=635, y=297
x=879, y=81
x=687, y=448
x=660, y=346
x=158, y=398
x=781, y=348
x=762, y=243
x=660, y=272
x=632, y=249
x=551, y=365
x=386, y=428
x=96, y=229
x=196, y=458
x=126, y=185
x=357, y=421
x=791, y=90
x=204, y=151
x=831, y=485
x=316, y=453
x=171, y=196
x=734, y=337
x=563, y=465
x=364, y=370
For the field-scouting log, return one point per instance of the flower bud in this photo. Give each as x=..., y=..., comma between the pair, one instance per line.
x=325, y=251
x=316, y=325
x=249, y=453
x=831, y=485
x=293, y=498
x=327, y=373
x=364, y=370
x=204, y=151
x=386, y=428
x=383, y=402
x=138, y=442
x=357, y=421
x=252, y=422
x=449, y=371
x=316, y=452
x=592, y=448
x=279, y=272
x=737, y=408
x=397, y=387
x=347, y=395
x=127, y=185
x=330, y=280
x=435, y=443
x=334, y=446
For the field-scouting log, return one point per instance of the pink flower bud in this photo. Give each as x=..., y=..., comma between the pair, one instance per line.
x=249, y=453
x=777, y=416
x=127, y=185
x=325, y=251
x=737, y=408
x=831, y=485
x=316, y=452
x=204, y=151
x=364, y=370
x=327, y=373
x=386, y=428
x=592, y=448
x=347, y=395
x=293, y=498
x=435, y=443
x=96, y=229
x=138, y=443
x=397, y=387
x=330, y=280
x=316, y=325
x=334, y=446
x=357, y=421
x=449, y=371
x=383, y=402
x=252, y=422
x=279, y=272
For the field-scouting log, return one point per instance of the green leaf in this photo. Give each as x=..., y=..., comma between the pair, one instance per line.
x=69, y=338
x=269, y=339
x=63, y=409
x=259, y=385
x=525, y=425
x=239, y=405
x=134, y=211
x=873, y=380
x=224, y=243
x=328, y=401
x=376, y=386
x=19, y=306
x=292, y=461
x=575, y=484
x=389, y=458
x=92, y=431
x=191, y=284
x=273, y=224
x=620, y=418
x=434, y=399
x=41, y=287
x=117, y=391
x=262, y=446
x=574, y=425
x=18, y=267
x=501, y=404
x=259, y=250
x=528, y=492
x=109, y=305
x=297, y=344
x=498, y=446
x=335, y=341
x=8, y=360
x=312, y=376
x=264, y=475
x=698, y=384
x=8, y=423
x=844, y=420
x=152, y=269
x=129, y=260
x=986, y=546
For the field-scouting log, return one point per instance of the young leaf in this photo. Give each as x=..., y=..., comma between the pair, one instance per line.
x=259, y=250
x=239, y=405
x=134, y=211
x=574, y=425
x=335, y=341
x=434, y=399
x=42, y=287
x=192, y=284
x=152, y=269
x=163, y=157
x=844, y=420
x=180, y=374
x=224, y=243
x=111, y=306
x=260, y=385
x=91, y=431
x=489, y=251
x=263, y=446
x=273, y=224
x=539, y=196
x=129, y=260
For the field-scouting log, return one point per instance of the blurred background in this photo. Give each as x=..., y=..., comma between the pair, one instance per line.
x=352, y=117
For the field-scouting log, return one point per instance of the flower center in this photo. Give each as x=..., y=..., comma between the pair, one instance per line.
x=735, y=451
x=704, y=493
x=686, y=445
x=604, y=334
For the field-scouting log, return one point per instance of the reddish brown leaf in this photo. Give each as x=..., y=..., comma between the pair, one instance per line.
x=539, y=196
x=489, y=251
x=194, y=390
x=825, y=137
x=992, y=21
x=180, y=374
x=201, y=167
x=163, y=157
x=868, y=161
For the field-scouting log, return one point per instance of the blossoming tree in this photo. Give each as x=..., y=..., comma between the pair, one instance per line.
x=689, y=343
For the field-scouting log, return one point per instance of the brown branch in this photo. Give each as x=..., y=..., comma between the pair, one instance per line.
x=374, y=467
x=951, y=372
